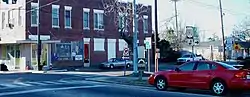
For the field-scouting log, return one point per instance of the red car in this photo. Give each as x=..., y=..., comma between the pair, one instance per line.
x=208, y=75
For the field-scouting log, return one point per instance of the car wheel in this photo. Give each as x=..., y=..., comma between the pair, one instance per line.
x=161, y=83
x=219, y=88
x=112, y=66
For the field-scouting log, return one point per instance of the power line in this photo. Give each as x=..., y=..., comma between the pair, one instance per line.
x=217, y=7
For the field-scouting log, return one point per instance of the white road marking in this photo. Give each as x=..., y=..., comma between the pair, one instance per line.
x=9, y=85
x=50, y=82
x=47, y=89
x=22, y=84
x=37, y=83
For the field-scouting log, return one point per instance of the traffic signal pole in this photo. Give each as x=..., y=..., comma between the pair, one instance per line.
x=135, y=38
x=38, y=37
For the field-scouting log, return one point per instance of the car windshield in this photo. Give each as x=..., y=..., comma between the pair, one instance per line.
x=111, y=60
x=227, y=66
x=186, y=56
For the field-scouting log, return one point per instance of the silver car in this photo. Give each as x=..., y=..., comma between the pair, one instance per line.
x=116, y=62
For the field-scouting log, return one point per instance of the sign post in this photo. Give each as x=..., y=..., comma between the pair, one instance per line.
x=125, y=57
x=148, y=47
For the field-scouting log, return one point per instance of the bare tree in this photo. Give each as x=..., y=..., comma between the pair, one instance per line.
x=170, y=34
x=242, y=30
x=122, y=13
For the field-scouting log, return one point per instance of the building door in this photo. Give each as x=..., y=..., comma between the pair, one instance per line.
x=111, y=48
x=86, y=55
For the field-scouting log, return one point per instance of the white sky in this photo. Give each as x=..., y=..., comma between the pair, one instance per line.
x=203, y=13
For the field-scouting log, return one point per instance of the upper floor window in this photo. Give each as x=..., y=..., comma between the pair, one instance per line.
x=55, y=16
x=34, y=14
x=85, y=18
x=145, y=24
x=98, y=20
x=67, y=16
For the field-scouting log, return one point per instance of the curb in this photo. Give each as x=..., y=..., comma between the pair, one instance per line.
x=113, y=82
x=11, y=72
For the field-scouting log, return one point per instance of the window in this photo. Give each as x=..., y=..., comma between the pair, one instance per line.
x=227, y=66
x=67, y=17
x=213, y=67
x=86, y=18
x=34, y=14
x=186, y=56
x=63, y=50
x=203, y=66
x=187, y=66
x=55, y=16
x=145, y=24
x=3, y=20
x=122, y=44
x=98, y=20
x=99, y=44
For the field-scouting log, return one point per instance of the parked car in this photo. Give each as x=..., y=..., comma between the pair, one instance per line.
x=116, y=62
x=218, y=77
x=200, y=57
x=234, y=63
x=187, y=58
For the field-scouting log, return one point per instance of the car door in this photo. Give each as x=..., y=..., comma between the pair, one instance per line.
x=201, y=75
x=181, y=78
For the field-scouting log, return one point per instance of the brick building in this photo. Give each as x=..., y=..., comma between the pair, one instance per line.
x=70, y=29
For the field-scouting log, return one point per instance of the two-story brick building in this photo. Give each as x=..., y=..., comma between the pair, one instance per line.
x=70, y=29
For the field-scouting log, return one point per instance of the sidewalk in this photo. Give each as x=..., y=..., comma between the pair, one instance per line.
x=18, y=71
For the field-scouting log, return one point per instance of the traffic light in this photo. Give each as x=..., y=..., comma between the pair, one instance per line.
x=6, y=1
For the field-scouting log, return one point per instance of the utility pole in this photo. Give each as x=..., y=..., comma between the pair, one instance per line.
x=135, y=45
x=222, y=30
x=176, y=21
x=38, y=37
x=156, y=35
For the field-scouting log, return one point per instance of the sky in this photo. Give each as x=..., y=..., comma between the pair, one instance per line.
x=204, y=14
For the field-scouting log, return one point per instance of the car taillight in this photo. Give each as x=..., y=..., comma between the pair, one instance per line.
x=241, y=75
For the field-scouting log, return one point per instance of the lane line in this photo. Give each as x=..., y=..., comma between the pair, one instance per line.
x=48, y=89
x=37, y=83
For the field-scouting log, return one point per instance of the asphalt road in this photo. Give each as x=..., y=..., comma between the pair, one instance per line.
x=89, y=89
x=63, y=85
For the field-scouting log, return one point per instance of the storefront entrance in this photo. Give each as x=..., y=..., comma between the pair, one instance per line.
x=44, y=56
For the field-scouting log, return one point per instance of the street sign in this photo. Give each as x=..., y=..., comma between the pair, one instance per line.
x=126, y=52
x=189, y=31
x=237, y=46
x=148, y=43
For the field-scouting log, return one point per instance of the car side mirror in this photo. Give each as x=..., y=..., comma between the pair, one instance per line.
x=177, y=69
